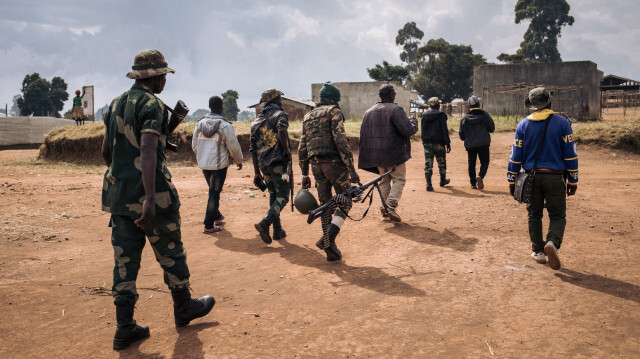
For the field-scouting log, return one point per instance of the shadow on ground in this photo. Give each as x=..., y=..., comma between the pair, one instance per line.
x=601, y=284
x=367, y=277
x=425, y=235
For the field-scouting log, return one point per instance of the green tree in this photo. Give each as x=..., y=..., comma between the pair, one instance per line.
x=41, y=97
x=15, y=110
x=409, y=38
x=389, y=73
x=541, y=38
x=230, y=103
x=246, y=115
x=446, y=70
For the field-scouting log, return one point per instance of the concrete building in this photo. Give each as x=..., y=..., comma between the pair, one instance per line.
x=357, y=97
x=574, y=85
x=296, y=108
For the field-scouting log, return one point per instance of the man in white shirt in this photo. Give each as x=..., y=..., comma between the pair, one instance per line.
x=215, y=144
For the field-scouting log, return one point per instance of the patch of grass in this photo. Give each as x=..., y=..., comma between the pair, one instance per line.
x=615, y=130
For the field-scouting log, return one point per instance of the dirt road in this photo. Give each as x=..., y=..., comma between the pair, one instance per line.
x=453, y=280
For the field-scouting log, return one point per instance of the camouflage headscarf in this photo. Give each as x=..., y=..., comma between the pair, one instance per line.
x=149, y=63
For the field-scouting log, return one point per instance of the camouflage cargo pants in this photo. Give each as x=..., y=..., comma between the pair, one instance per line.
x=278, y=189
x=330, y=175
x=128, y=240
x=432, y=150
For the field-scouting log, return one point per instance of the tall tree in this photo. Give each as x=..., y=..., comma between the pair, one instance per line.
x=446, y=70
x=58, y=94
x=389, y=73
x=41, y=97
x=541, y=38
x=409, y=38
x=15, y=110
x=230, y=103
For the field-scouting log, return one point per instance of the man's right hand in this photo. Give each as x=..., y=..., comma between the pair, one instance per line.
x=148, y=213
x=354, y=177
x=306, y=181
x=571, y=190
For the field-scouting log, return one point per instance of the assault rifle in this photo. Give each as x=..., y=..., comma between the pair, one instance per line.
x=351, y=194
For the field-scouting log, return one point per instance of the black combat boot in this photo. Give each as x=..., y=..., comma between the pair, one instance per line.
x=263, y=227
x=429, y=185
x=444, y=180
x=333, y=253
x=186, y=309
x=127, y=332
x=278, y=231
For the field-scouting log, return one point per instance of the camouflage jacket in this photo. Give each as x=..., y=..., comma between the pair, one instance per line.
x=323, y=138
x=129, y=116
x=264, y=135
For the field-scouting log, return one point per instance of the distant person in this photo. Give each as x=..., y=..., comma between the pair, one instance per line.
x=270, y=154
x=475, y=130
x=78, y=112
x=215, y=143
x=385, y=142
x=324, y=146
x=436, y=142
x=138, y=192
x=557, y=160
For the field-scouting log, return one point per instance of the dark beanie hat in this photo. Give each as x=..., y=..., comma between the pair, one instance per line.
x=329, y=90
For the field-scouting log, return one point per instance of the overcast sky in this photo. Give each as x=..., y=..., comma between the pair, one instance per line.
x=249, y=46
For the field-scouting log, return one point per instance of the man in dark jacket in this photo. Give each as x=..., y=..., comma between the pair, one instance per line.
x=436, y=142
x=384, y=143
x=475, y=129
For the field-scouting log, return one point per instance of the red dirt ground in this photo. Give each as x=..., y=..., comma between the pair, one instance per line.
x=453, y=280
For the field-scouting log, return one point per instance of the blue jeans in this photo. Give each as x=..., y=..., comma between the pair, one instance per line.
x=215, y=179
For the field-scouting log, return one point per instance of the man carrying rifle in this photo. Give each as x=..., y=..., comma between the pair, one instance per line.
x=325, y=147
x=138, y=192
x=270, y=154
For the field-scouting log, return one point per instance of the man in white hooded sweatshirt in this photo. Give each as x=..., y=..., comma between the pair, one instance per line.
x=215, y=145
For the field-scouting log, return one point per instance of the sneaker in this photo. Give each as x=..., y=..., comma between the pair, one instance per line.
x=220, y=221
x=474, y=187
x=479, y=182
x=539, y=257
x=212, y=230
x=552, y=255
x=393, y=215
x=383, y=211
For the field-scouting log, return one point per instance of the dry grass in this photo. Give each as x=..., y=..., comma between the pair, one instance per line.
x=616, y=130
x=82, y=144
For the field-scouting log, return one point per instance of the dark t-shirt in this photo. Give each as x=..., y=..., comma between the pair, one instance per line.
x=264, y=136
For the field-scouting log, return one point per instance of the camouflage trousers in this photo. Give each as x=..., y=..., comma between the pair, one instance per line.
x=128, y=240
x=432, y=150
x=278, y=189
x=330, y=175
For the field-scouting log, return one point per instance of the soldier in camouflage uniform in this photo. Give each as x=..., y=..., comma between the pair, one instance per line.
x=270, y=153
x=138, y=192
x=436, y=142
x=325, y=147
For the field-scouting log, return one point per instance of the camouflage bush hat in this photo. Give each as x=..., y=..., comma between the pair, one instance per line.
x=474, y=102
x=538, y=99
x=386, y=89
x=149, y=63
x=329, y=90
x=269, y=95
x=434, y=101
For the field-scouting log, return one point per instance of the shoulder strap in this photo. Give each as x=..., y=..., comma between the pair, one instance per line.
x=544, y=134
